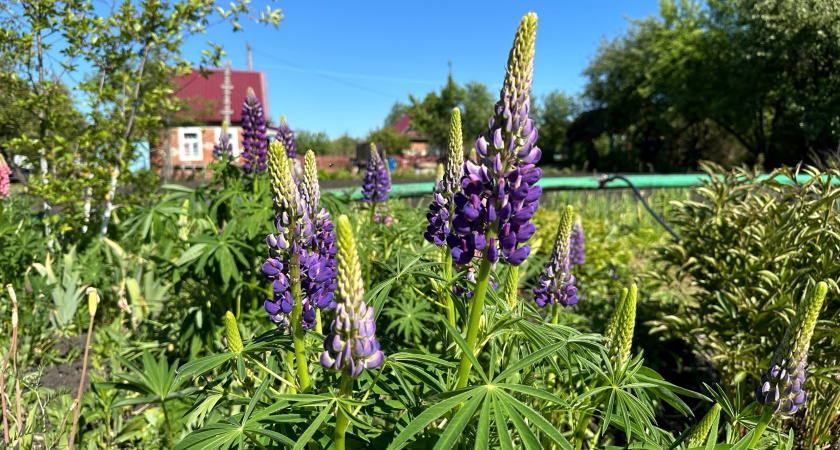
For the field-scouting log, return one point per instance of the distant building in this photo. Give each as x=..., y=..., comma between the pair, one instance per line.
x=209, y=101
x=419, y=143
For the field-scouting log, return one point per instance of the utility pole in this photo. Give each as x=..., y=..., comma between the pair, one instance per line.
x=227, y=88
x=248, y=48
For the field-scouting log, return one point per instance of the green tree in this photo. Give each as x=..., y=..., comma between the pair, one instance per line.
x=553, y=114
x=345, y=145
x=431, y=115
x=119, y=62
x=398, y=110
x=477, y=107
x=318, y=142
x=726, y=80
x=392, y=141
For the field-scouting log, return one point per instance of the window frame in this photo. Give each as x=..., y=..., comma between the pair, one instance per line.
x=182, y=141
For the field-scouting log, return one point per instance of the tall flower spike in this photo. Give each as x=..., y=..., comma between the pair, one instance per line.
x=234, y=340
x=255, y=141
x=351, y=347
x=442, y=206
x=294, y=229
x=498, y=193
x=318, y=270
x=620, y=328
x=577, y=252
x=556, y=283
x=287, y=137
x=512, y=287
x=4, y=178
x=701, y=431
x=781, y=386
x=376, y=186
x=223, y=150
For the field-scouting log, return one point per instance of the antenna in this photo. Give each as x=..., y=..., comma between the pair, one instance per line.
x=248, y=48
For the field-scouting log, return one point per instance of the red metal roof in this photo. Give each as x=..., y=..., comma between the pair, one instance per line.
x=403, y=124
x=208, y=97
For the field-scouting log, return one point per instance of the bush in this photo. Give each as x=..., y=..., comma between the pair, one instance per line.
x=751, y=246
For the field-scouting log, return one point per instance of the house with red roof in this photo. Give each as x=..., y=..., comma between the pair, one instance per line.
x=419, y=144
x=211, y=96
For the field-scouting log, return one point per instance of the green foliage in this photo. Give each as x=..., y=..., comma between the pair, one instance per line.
x=390, y=140
x=751, y=245
x=719, y=80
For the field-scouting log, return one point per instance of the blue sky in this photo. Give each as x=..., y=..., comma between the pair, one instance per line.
x=338, y=66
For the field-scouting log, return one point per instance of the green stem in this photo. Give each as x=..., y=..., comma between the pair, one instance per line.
x=289, y=358
x=238, y=306
x=168, y=425
x=580, y=429
x=319, y=328
x=760, y=427
x=447, y=299
x=481, y=284
x=341, y=420
x=297, y=328
x=555, y=313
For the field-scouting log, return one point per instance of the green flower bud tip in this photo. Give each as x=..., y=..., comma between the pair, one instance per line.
x=512, y=286
x=234, y=340
x=350, y=287
x=93, y=300
x=619, y=331
x=440, y=171
x=309, y=189
x=456, y=139
x=282, y=184
x=701, y=431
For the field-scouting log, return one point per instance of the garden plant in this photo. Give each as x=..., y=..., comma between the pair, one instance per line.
x=256, y=311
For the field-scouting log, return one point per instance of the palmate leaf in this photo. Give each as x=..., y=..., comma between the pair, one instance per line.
x=430, y=415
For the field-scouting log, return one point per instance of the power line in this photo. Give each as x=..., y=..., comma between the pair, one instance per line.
x=299, y=68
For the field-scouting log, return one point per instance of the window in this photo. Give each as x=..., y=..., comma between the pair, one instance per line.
x=233, y=133
x=191, y=145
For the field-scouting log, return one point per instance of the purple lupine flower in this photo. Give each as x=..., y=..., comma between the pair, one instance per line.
x=577, y=250
x=441, y=208
x=320, y=248
x=782, y=385
x=5, y=171
x=557, y=284
x=498, y=196
x=295, y=230
x=376, y=186
x=351, y=347
x=287, y=137
x=223, y=150
x=377, y=183
x=254, y=142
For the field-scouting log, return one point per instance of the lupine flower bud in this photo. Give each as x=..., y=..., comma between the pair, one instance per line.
x=498, y=195
x=782, y=385
x=234, y=340
x=619, y=331
x=318, y=269
x=577, y=252
x=223, y=150
x=255, y=141
x=350, y=286
x=557, y=284
x=93, y=300
x=5, y=171
x=512, y=287
x=351, y=346
x=442, y=207
x=440, y=172
x=287, y=137
x=698, y=435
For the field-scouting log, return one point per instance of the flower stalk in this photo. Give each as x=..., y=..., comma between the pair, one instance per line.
x=476, y=309
x=93, y=302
